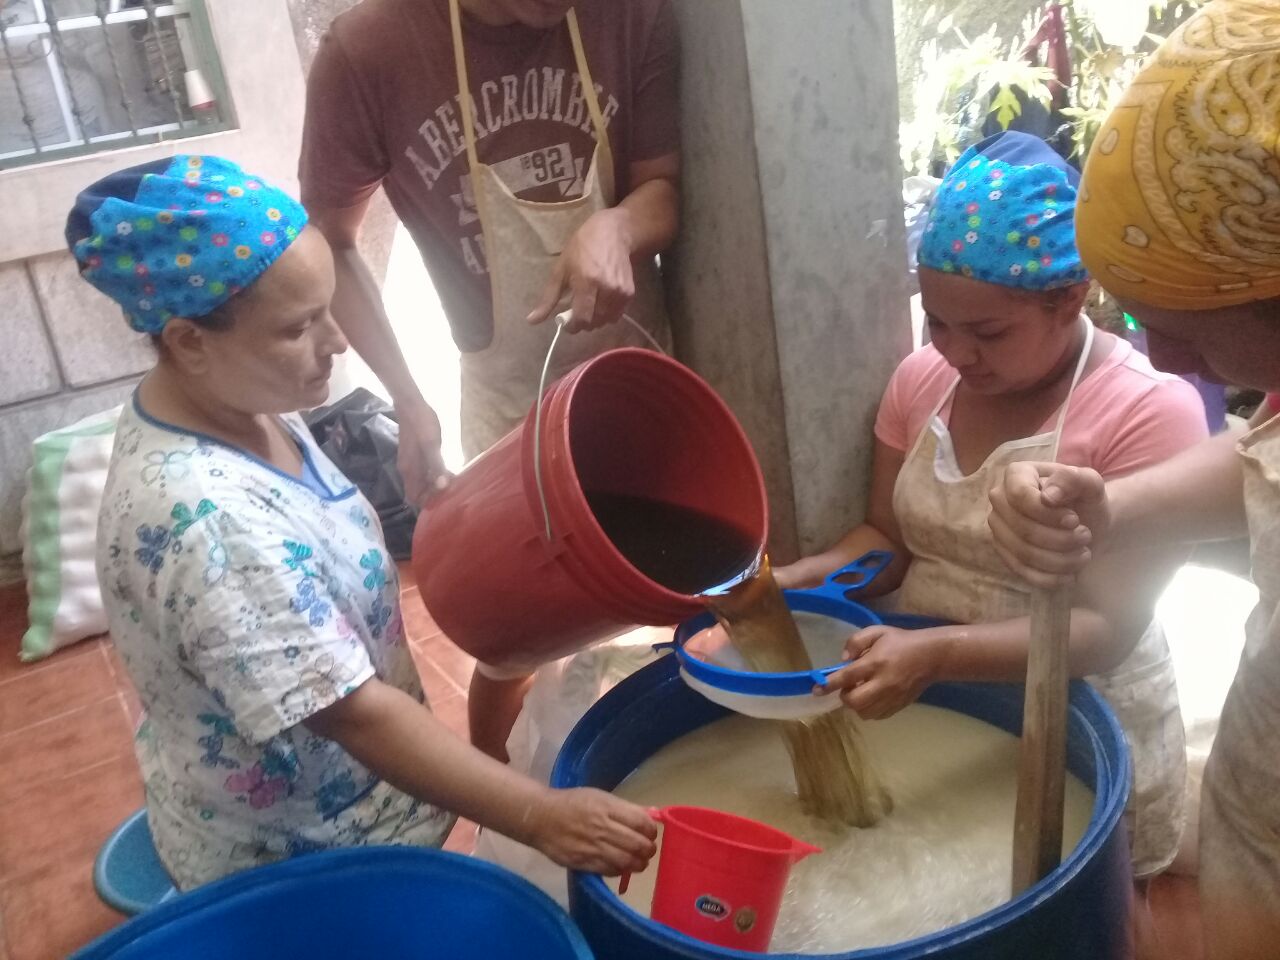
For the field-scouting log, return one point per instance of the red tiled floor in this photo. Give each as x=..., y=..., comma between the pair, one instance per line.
x=124, y=685
x=453, y=714
x=439, y=687
x=64, y=684
x=68, y=744
x=463, y=837
x=13, y=624
x=70, y=777
x=443, y=668
x=132, y=706
x=452, y=661
x=418, y=624
x=50, y=913
x=67, y=816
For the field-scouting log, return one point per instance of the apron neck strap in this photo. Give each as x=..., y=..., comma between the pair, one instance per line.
x=605, y=166
x=1081, y=363
x=1075, y=382
x=604, y=169
x=464, y=88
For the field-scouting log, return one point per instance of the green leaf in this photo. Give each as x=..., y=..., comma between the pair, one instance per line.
x=1005, y=106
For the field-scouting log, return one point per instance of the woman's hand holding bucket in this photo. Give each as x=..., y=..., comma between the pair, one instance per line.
x=593, y=831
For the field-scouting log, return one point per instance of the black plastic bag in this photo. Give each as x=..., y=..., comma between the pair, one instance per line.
x=360, y=435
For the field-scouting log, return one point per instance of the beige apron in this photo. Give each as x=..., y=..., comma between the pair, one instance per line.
x=1240, y=813
x=522, y=241
x=956, y=575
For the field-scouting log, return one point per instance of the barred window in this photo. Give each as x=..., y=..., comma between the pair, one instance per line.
x=86, y=76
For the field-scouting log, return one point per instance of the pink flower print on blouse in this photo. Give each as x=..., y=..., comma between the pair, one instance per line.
x=263, y=791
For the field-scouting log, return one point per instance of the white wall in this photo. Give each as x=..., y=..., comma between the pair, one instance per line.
x=66, y=349
x=260, y=59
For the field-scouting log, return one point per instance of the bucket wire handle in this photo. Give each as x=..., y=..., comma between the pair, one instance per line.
x=561, y=320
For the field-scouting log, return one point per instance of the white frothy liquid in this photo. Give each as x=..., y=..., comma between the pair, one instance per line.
x=941, y=857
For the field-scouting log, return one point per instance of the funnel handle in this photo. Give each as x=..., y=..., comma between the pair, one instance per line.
x=856, y=576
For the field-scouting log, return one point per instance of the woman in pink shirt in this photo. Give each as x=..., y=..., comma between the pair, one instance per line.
x=1016, y=372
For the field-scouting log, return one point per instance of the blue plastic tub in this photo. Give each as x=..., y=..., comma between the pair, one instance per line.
x=1079, y=912
x=389, y=903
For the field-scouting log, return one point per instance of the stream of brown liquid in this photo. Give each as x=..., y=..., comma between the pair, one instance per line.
x=699, y=555
x=834, y=779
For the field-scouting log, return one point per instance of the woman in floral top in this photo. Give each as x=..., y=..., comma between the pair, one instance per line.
x=246, y=580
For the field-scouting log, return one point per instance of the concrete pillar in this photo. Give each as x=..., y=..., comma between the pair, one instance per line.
x=787, y=288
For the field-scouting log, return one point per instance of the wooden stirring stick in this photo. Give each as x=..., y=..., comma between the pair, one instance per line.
x=1042, y=756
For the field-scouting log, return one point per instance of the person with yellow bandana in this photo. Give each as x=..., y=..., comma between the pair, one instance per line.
x=1179, y=219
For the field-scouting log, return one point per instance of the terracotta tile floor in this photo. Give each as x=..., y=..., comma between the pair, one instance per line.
x=69, y=776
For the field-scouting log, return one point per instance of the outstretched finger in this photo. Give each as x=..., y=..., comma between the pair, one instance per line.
x=550, y=296
x=847, y=678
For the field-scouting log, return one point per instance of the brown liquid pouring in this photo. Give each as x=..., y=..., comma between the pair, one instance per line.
x=698, y=555
x=834, y=779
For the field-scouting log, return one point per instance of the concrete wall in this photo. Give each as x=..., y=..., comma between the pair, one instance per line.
x=788, y=283
x=67, y=351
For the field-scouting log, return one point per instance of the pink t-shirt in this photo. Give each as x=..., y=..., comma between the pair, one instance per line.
x=1125, y=415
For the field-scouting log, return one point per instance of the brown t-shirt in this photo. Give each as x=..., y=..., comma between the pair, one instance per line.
x=383, y=107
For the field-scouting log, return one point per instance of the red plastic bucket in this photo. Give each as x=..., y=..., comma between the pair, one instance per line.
x=721, y=877
x=629, y=422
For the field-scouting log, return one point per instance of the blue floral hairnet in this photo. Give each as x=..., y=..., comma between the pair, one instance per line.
x=180, y=237
x=1005, y=214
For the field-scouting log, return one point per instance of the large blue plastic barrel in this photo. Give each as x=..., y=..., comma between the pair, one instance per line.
x=1078, y=912
x=378, y=902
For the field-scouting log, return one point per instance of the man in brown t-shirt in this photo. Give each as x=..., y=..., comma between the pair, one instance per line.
x=384, y=108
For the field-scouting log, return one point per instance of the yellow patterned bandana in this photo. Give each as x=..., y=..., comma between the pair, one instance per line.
x=1180, y=201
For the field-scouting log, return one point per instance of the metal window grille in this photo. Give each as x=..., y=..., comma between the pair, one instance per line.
x=85, y=76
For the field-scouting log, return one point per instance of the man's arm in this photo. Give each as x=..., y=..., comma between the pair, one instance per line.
x=358, y=309
x=596, y=265
x=652, y=208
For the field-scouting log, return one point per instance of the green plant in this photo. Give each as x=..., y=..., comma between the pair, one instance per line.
x=966, y=84
x=971, y=80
